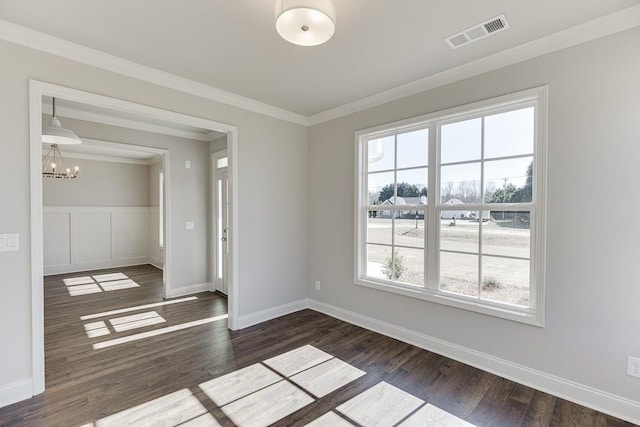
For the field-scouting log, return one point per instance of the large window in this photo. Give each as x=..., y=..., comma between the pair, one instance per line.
x=450, y=207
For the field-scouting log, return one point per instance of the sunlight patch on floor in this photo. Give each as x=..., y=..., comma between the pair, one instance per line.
x=156, y=332
x=330, y=419
x=266, y=392
x=135, y=321
x=136, y=308
x=380, y=405
x=171, y=410
x=259, y=395
x=85, y=285
x=96, y=329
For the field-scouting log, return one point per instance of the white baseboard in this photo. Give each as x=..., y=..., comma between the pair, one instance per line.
x=271, y=313
x=602, y=401
x=156, y=262
x=98, y=265
x=15, y=392
x=188, y=290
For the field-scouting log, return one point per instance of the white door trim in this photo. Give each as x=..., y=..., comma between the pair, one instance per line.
x=37, y=89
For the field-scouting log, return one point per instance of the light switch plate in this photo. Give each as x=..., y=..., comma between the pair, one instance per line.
x=190, y=225
x=187, y=164
x=9, y=242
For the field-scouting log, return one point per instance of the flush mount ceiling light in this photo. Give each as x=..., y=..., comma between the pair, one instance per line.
x=54, y=133
x=305, y=22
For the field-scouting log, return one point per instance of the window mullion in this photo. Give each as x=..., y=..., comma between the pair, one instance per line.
x=395, y=202
x=481, y=211
x=431, y=234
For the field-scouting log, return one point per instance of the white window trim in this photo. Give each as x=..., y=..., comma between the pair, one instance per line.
x=532, y=316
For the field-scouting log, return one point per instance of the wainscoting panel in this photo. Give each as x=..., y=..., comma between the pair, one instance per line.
x=91, y=240
x=132, y=231
x=79, y=238
x=57, y=233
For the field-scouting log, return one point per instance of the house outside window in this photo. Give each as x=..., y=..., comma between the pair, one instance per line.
x=450, y=207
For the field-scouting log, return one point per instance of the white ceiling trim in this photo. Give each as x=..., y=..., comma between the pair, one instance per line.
x=105, y=158
x=56, y=46
x=73, y=113
x=600, y=27
x=116, y=159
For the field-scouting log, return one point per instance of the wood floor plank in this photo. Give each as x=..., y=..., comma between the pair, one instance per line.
x=141, y=379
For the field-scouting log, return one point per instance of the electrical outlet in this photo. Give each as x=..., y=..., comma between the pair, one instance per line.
x=317, y=285
x=633, y=367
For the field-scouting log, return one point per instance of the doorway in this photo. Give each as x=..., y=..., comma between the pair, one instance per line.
x=220, y=209
x=37, y=90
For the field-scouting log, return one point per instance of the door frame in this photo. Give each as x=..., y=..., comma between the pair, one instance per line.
x=38, y=89
x=214, y=216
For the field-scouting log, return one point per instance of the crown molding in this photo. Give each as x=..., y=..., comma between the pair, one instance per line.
x=597, y=28
x=56, y=46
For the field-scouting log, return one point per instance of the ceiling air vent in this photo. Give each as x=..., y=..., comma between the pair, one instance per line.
x=477, y=32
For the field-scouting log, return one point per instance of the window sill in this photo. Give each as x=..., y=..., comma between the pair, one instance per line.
x=526, y=316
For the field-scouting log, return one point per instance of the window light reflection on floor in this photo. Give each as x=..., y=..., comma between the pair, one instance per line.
x=258, y=396
x=85, y=285
x=135, y=321
x=156, y=332
x=266, y=392
x=179, y=408
x=136, y=308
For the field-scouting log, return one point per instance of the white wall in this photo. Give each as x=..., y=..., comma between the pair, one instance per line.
x=99, y=184
x=272, y=172
x=592, y=278
x=81, y=238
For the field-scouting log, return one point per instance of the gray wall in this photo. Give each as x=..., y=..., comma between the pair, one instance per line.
x=592, y=254
x=272, y=155
x=154, y=183
x=99, y=184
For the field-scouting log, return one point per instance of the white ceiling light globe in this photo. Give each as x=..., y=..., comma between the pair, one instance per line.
x=305, y=22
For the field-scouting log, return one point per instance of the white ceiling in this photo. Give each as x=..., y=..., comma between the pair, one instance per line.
x=233, y=45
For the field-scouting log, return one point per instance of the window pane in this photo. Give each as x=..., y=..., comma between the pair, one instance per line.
x=413, y=148
x=223, y=162
x=379, y=227
x=509, y=134
x=459, y=273
x=380, y=188
x=461, y=235
x=409, y=266
x=461, y=141
x=505, y=280
x=412, y=186
x=508, y=181
x=409, y=229
x=381, y=154
x=376, y=258
x=508, y=233
x=460, y=183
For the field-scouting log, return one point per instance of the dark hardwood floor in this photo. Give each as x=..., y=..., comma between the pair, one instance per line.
x=85, y=385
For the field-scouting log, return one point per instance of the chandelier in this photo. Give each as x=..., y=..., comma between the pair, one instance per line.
x=305, y=22
x=53, y=165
